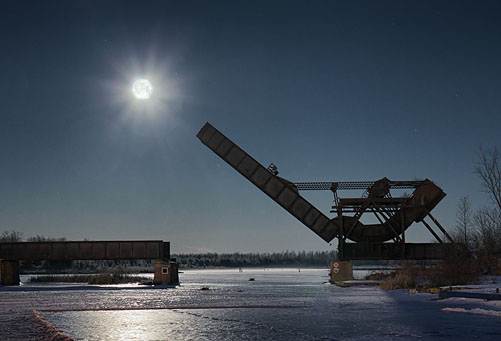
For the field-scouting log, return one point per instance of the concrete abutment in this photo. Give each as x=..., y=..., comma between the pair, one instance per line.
x=166, y=272
x=9, y=272
x=341, y=271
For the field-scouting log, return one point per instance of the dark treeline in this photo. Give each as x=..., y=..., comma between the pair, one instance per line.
x=87, y=266
x=274, y=259
x=301, y=259
x=15, y=236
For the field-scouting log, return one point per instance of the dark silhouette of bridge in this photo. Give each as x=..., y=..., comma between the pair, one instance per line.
x=358, y=240
x=11, y=253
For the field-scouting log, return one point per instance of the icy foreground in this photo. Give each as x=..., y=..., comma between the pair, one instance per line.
x=277, y=305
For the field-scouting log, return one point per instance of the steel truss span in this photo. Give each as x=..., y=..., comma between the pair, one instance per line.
x=395, y=215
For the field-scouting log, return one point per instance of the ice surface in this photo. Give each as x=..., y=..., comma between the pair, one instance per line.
x=295, y=306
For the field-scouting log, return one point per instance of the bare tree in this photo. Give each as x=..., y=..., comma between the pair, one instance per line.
x=489, y=169
x=488, y=223
x=11, y=236
x=464, y=231
x=42, y=238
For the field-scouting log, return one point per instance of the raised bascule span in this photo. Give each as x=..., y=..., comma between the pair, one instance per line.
x=395, y=214
x=282, y=191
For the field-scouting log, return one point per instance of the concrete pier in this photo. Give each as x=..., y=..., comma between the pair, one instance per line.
x=341, y=271
x=166, y=272
x=9, y=272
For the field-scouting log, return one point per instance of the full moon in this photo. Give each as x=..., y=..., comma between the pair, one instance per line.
x=142, y=89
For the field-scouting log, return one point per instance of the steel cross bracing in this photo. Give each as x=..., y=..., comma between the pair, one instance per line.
x=351, y=185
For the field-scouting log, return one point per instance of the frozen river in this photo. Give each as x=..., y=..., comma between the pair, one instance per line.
x=278, y=305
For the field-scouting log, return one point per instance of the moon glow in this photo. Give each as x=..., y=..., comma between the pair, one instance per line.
x=142, y=89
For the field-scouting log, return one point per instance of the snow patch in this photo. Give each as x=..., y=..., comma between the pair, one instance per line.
x=478, y=311
x=474, y=301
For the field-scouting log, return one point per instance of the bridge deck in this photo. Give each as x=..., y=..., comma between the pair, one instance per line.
x=86, y=250
x=396, y=251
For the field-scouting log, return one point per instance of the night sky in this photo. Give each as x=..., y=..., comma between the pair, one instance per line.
x=326, y=90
